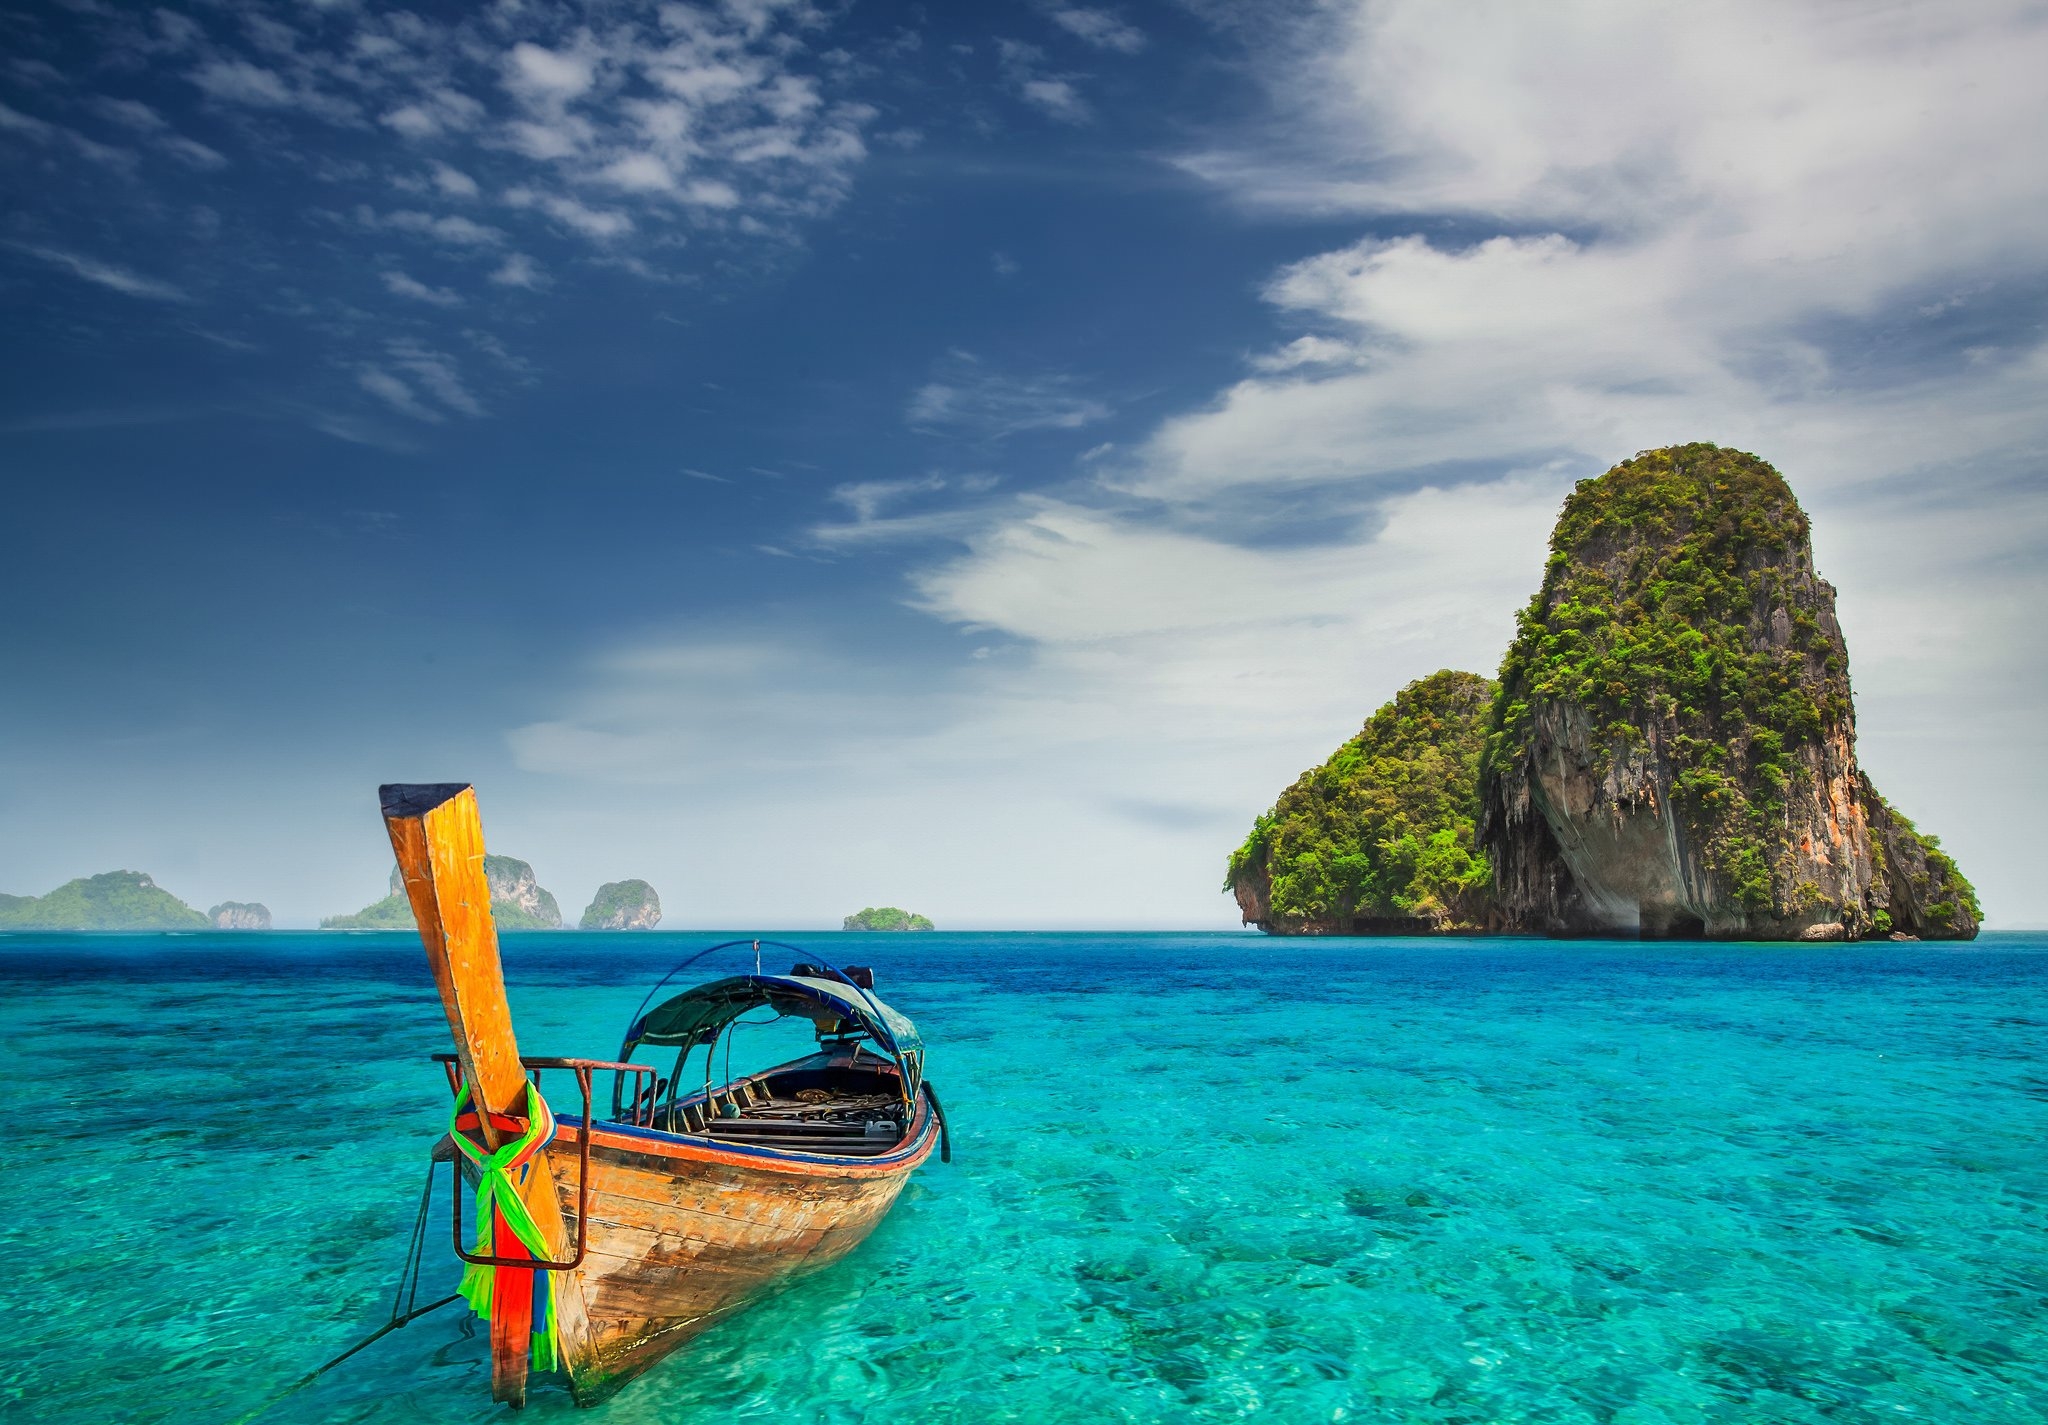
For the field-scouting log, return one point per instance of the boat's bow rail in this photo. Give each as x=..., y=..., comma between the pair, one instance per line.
x=632, y=1104
x=584, y=1069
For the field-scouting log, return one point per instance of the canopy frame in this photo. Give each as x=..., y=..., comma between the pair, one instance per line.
x=829, y=997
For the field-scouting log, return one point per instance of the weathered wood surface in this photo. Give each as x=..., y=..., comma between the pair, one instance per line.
x=438, y=838
x=682, y=1234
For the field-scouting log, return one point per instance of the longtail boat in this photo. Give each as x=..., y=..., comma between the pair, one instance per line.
x=605, y=1242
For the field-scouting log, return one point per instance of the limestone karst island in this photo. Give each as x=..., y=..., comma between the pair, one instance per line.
x=519, y=902
x=1669, y=751
x=622, y=905
x=885, y=917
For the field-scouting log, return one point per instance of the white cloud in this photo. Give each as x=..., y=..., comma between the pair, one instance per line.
x=240, y=82
x=720, y=120
x=395, y=394
x=1148, y=691
x=401, y=285
x=866, y=498
x=453, y=229
x=108, y=275
x=434, y=373
x=130, y=114
x=638, y=173
x=453, y=182
x=191, y=152
x=1306, y=351
x=42, y=131
x=519, y=270
x=257, y=86
x=438, y=373
x=547, y=77
x=1057, y=98
x=1055, y=95
x=599, y=223
x=1104, y=29
x=965, y=398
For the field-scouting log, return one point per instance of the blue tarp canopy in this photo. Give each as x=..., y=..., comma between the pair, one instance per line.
x=696, y=1016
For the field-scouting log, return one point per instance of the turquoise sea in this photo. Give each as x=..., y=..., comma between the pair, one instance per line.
x=1195, y=1178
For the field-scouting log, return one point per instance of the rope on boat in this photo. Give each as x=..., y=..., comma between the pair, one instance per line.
x=408, y=1293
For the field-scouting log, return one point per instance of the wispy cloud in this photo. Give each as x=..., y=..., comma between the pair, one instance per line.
x=519, y=270
x=877, y=520
x=1104, y=29
x=966, y=398
x=438, y=372
x=108, y=275
x=396, y=394
x=48, y=133
x=668, y=142
x=1058, y=96
x=449, y=229
x=401, y=285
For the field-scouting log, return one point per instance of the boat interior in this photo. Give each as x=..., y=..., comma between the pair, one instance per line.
x=853, y=1097
x=845, y=1104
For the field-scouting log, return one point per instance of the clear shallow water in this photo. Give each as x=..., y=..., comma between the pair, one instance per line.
x=1195, y=1178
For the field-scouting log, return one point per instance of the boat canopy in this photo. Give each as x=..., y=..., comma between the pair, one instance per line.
x=697, y=1016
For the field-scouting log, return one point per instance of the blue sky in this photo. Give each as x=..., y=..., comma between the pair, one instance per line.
x=967, y=457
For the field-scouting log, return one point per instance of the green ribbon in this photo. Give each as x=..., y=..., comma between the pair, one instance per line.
x=497, y=1198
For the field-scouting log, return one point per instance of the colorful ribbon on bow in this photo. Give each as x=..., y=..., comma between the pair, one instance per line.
x=504, y=1227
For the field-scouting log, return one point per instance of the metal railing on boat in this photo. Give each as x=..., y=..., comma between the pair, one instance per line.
x=642, y=1106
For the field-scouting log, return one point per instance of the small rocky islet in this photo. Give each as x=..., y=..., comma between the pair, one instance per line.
x=622, y=905
x=239, y=915
x=1669, y=751
x=885, y=917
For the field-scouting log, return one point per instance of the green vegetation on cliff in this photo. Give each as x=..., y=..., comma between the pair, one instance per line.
x=112, y=900
x=391, y=913
x=623, y=905
x=1927, y=893
x=1384, y=830
x=886, y=917
x=1658, y=573
x=517, y=902
x=1670, y=751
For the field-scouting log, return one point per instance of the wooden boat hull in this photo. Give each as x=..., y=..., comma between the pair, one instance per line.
x=684, y=1231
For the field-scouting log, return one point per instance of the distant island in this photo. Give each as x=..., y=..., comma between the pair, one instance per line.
x=112, y=900
x=239, y=915
x=623, y=905
x=517, y=902
x=886, y=917
x=1670, y=752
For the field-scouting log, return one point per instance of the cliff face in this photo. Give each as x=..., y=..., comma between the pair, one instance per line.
x=623, y=905
x=517, y=902
x=1919, y=892
x=1379, y=840
x=240, y=915
x=1673, y=748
